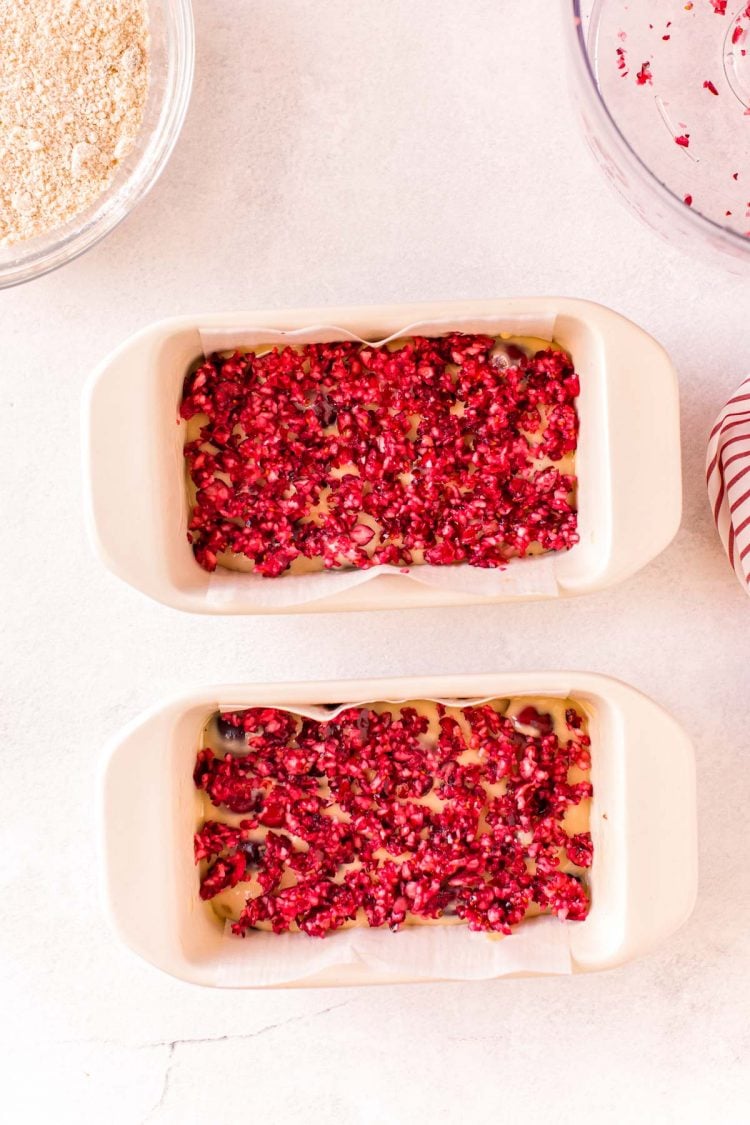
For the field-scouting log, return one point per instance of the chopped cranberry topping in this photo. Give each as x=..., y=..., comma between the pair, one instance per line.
x=564, y=895
x=354, y=455
x=530, y=717
x=224, y=873
x=580, y=850
x=214, y=837
x=340, y=828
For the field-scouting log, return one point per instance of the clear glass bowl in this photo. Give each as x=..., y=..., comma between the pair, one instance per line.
x=171, y=55
x=664, y=94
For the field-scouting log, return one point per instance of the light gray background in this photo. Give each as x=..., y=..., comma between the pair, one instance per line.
x=357, y=151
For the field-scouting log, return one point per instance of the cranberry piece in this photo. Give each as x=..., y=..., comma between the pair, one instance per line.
x=253, y=853
x=563, y=894
x=361, y=534
x=213, y=838
x=223, y=874
x=273, y=813
x=229, y=730
x=573, y=719
x=543, y=723
x=580, y=849
x=324, y=410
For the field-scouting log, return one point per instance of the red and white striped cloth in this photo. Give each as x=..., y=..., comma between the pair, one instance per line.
x=728, y=479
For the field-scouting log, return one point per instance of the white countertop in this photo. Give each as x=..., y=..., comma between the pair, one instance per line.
x=340, y=152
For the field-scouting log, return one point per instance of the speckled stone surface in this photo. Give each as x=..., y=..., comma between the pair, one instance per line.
x=357, y=152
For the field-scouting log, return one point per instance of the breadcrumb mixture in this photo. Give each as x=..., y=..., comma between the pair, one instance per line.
x=73, y=87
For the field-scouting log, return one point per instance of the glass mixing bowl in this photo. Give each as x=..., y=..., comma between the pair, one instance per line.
x=664, y=93
x=171, y=55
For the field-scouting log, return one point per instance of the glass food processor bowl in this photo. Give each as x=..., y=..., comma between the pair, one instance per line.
x=664, y=93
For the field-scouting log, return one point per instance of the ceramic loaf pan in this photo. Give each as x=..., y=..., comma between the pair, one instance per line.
x=643, y=820
x=628, y=460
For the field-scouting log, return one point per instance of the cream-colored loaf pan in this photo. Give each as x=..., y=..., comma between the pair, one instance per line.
x=628, y=460
x=643, y=820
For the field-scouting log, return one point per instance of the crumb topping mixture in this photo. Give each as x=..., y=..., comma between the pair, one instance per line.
x=393, y=814
x=73, y=86
x=440, y=450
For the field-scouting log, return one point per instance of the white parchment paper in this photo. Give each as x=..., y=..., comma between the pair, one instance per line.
x=521, y=578
x=540, y=945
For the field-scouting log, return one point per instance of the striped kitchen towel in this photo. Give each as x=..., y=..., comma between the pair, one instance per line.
x=728, y=480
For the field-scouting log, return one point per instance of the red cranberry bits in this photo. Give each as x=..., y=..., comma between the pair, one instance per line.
x=396, y=813
x=438, y=450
